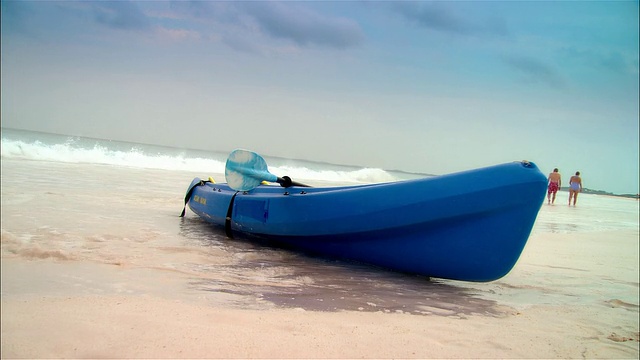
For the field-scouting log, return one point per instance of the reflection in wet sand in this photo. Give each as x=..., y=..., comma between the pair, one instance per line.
x=294, y=280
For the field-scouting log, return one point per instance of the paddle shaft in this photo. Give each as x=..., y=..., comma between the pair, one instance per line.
x=286, y=181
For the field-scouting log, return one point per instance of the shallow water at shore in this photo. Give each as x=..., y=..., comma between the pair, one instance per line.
x=128, y=217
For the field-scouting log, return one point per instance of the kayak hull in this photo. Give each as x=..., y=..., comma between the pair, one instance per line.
x=470, y=226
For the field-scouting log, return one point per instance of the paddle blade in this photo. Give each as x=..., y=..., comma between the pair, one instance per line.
x=245, y=170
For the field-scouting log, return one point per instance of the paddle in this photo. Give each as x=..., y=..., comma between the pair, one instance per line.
x=245, y=170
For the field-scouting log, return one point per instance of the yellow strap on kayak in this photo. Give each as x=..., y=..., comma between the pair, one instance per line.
x=211, y=180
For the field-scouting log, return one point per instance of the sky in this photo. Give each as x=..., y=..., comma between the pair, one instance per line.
x=433, y=87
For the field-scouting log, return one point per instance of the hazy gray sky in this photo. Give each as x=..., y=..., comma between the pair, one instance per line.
x=433, y=87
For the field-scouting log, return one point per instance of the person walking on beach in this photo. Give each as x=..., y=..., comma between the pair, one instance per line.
x=575, y=186
x=555, y=180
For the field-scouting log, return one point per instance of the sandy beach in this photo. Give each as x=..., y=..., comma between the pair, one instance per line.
x=54, y=309
x=115, y=273
x=37, y=324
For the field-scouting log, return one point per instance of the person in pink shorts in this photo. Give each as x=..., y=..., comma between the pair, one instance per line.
x=555, y=180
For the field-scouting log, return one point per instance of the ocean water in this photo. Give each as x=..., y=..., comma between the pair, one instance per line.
x=27, y=145
x=108, y=212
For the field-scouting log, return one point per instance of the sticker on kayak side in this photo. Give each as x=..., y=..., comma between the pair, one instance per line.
x=200, y=200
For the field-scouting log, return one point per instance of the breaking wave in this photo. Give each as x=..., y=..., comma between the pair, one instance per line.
x=92, y=151
x=71, y=152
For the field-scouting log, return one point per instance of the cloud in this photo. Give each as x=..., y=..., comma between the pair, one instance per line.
x=304, y=27
x=123, y=15
x=536, y=70
x=288, y=21
x=177, y=34
x=15, y=16
x=613, y=61
x=439, y=17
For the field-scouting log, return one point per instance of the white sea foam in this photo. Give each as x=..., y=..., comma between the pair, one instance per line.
x=69, y=152
x=366, y=175
x=92, y=151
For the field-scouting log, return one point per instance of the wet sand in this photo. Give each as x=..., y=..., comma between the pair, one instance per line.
x=57, y=309
x=146, y=326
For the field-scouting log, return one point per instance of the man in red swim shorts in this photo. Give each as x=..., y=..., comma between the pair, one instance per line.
x=555, y=181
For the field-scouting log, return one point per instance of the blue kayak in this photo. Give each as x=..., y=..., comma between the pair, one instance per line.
x=471, y=225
